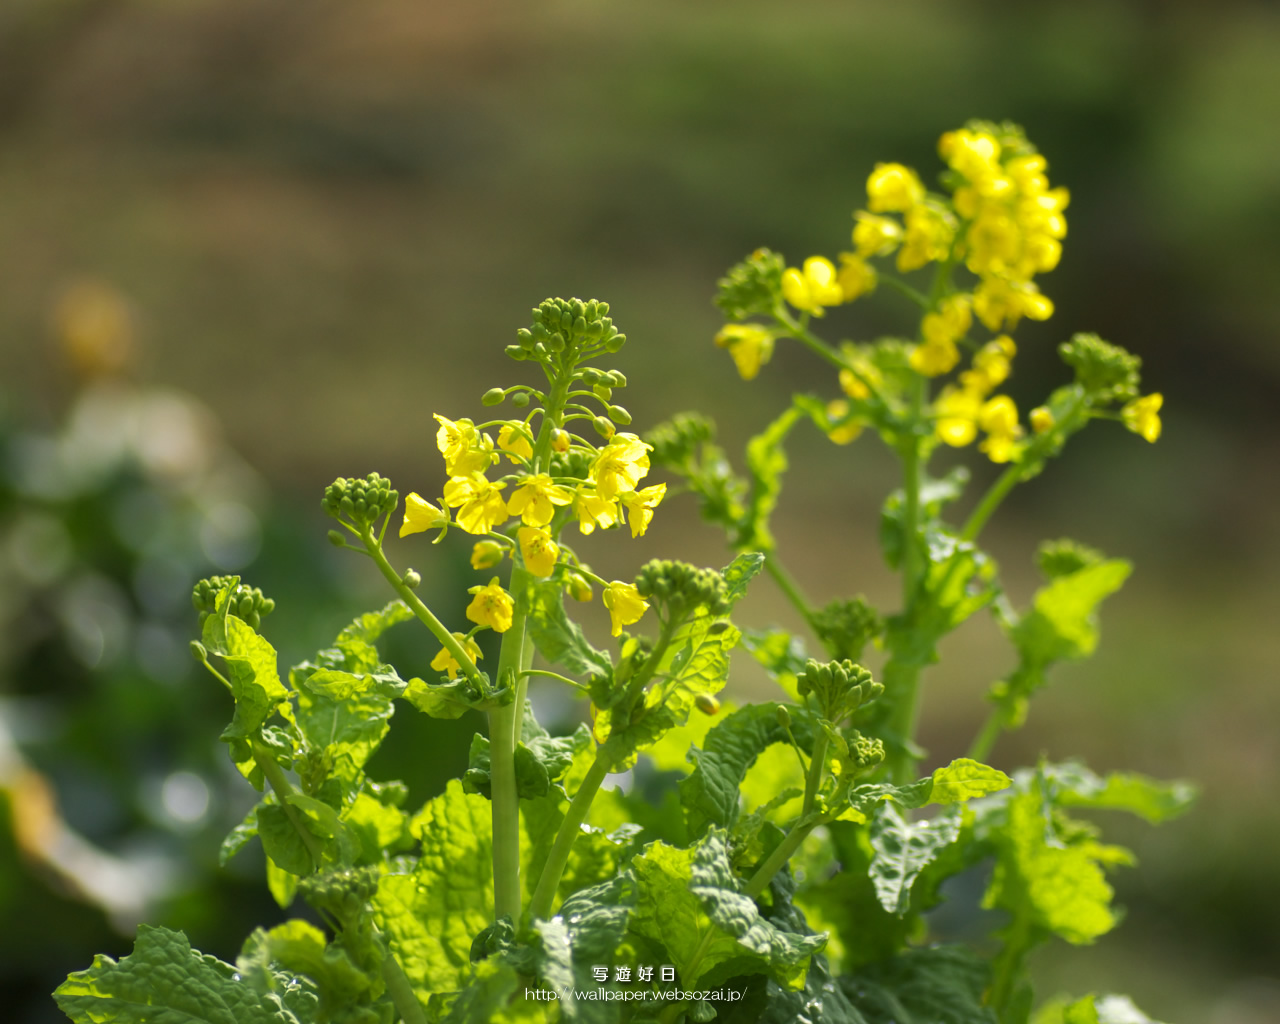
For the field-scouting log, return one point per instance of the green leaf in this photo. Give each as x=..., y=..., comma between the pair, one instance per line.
x=493, y=984
x=766, y=462
x=739, y=573
x=341, y=734
x=1052, y=879
x=559, y=639
x=710, y=794
x=440, y=700
x=356, y=640
x=713, y=881
x=165, y=981
x=965, y=779
x=238, y=838
x=282, y=842
x=934, y=494
x=902, y=850
x=1108, y=1009
x=782, y=655
x=936, y=985
x=821, y=1001
x=250, y=668
x=430, y=915
x=376, y=826
x=539, y=764
x=1154, y=801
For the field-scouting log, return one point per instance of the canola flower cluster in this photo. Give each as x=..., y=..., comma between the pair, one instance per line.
x=1002, y=221
x=601, y=494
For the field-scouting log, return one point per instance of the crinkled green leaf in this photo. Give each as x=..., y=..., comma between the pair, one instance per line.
x=376, y=826
x=429, y=916
x=165, y=981
x=281, y=840
x=966, y=779
x=356, y=640
x=249, y=663
x=440, y=700
x=766, y=462
x=1150, y=799
x=821, y=1001
x=539, y=763
x=343, y=734
x=934, y=494
x=1053, y=880
x=935, y=985
x=902, y=850
x=710, y=794
x=671, y=752
x=782, y=655
x=713, y=881
x=493, y=983
x=558, y=638
x=1063, y=620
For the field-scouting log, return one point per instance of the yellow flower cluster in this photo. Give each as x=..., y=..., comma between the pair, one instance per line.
x=963, y=409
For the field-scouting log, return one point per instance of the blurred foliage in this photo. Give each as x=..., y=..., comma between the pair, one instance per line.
x=310, y=202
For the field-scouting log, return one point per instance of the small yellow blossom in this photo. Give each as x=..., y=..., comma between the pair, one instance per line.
x=931, y=229
x=950, y=322
x=999, y=418
x=875, y=236
x=813, y=288
x=640, y=506
x=957, y=411
x=1001, y=303
x=486, y=554
x=859, y=374
x=492, y=606
x=856, y=277
x=464, y=448
x=620, y=465
x=750, y=345
x=932, y=359
x=1041, y=419
x=540, y=552
x=893, y=188
x=445, y=662
x=841, y=432
x=560, y=440
x=478, y=501
x=624, y=603
x=594, y=511
x=976, y=155
x=420, y=514
x=535, y=499
x=514, y=442
x=1142, y=416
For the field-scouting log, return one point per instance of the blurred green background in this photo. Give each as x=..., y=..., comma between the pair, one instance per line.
x=324, y=221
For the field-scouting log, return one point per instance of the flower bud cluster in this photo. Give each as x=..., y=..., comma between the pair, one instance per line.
x=864, y=753
x=361, y=502
x=676, y=441
x=682, y=588
x=247, y=603
x=753, y=287
x=566, y=330
x=845, y=627
x=839, y=687
x=342, y=893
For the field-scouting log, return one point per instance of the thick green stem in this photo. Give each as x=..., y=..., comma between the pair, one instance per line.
x=544, y=894
x=990, y=502
x=401, y=991
x=817, y=764
x=438, y=629
x=283, y=789
x=903, y=679
x=505, y=726
x=780, y=855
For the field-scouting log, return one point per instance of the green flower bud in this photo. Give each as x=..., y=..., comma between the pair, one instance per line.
x=617, y=379
x=336, y=539
x=244, y=602
x=198, y=652
x=619, y=415
x=603, y=427
x=494, y=396
x=1105, y=371
x=362, y=502
x=675, y=441
x=753, y=287
x=602, y=392
x=344, y=893
x=682, y=587
x=707, y=704
x=783, y=716
x=839, y=687
x=520, y=399
x=412, y=579
x=846, y=627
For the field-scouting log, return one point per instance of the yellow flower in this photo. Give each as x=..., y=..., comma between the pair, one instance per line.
x=445, y=662
x=932, y=359
x=540, y=552
x=875, y=236
x=478, y=501
x=1002, y=303
x=856, y=277
x=750, y=345
x=1041, y=419
x=957, y=411
x=813, y=288
x=593, y=510
x=976, y=155
x=420, y=514
x=1142, y=416
x=841, y=433
x=930, y=232
x=514, y=443
x=464, y=448
x=999, y=418
x=535, y=499
x=486, y=554
x=893, y=188
x=640, y=506
x=624, y=603
x=492, y=606
x=620, y=465
x=951, y=321
x=994, y=362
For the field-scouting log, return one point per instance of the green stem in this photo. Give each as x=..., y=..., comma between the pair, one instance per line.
x=902, y=288
x=283, y=790
x=544, y=893
x=438, y=629
x=817, y=765
x=996, y=493
x=780, y=855
x=401, y=991
x=902, y=678
x=987, y=736
x=789, y=587
x=1008, y=965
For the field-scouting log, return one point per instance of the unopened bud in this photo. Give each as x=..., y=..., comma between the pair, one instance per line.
x=560, y=440
x=783, y=716
x=412, y=579
x=336, y=539
x=603, y=427
x=1041, y=420
x=493, y=396
x=486, y=554
x=706, y=703
x=520, y=399
x=198, y=652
